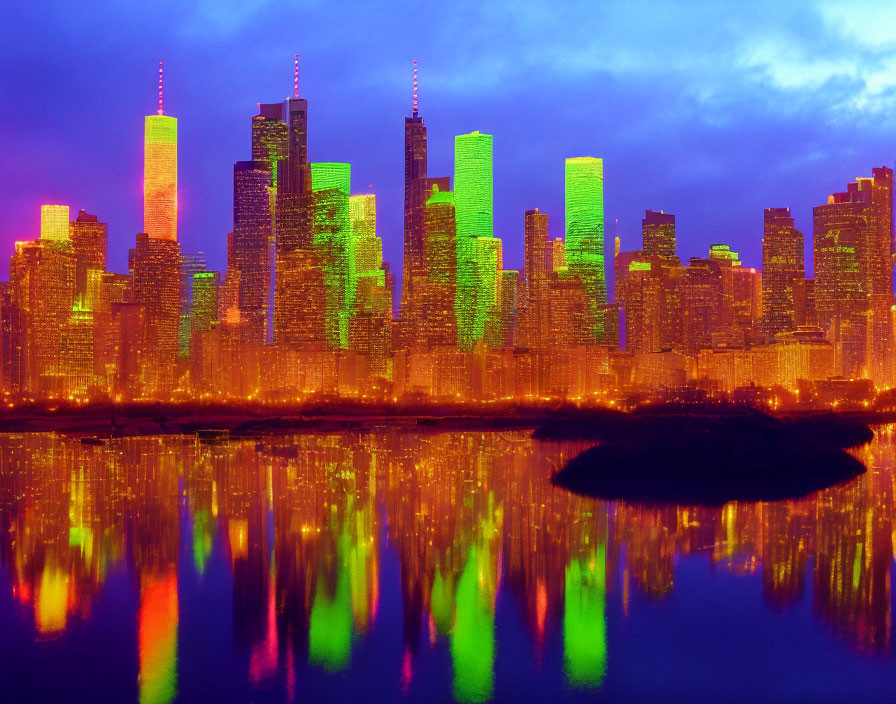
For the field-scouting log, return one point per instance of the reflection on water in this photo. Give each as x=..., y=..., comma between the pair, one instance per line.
x=394, y=564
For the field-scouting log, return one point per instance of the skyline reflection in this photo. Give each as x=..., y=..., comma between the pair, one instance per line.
x=423, y=564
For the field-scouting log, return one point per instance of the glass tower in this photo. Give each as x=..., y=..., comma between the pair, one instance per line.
x=252, y=234
x=160, y=177
x=332, y=238
x=585, y=234
x=473, y=202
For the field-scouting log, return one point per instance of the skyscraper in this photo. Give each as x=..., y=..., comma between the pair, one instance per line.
x=370, y=327
x=157, y=258
x=473, y=202
x=701, y=304
x=270, y=139
x=270, y=145
x=438, y=321
x=658, y=235
x=190, y=264
x=42, y=286
x=89, y=242
x=251, y=237
x=644, y=291
x=536, y=251
x=204, y=310
x=77, y=351
x=782, y=263
x=160, y=173
x=298, y=302
x=489, y=264
x=853, y=274
x=741, y=293
x=334, y=245
x=585, y=234
x=878, y=263
x=536, y=272
x=157, y=290
x=508, y=307
x=416, y=192
x=54, y=225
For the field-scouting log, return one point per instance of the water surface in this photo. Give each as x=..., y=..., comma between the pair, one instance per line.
x=423, y=566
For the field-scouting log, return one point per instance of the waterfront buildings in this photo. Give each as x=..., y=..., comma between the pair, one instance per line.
x=308, y=306
x=782, y=265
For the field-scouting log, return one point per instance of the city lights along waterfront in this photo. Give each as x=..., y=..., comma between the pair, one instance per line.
x=313, y=476
x=307, y=308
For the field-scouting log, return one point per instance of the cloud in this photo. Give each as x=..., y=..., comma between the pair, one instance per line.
x=871, y=24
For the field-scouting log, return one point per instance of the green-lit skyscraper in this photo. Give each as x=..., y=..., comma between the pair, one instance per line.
x=585, y=233
x=334, y=244
x=473, y=202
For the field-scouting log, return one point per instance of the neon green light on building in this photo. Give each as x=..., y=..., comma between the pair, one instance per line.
x=584, y=623
x=473, y=202
x=331, y=184
x=440, y=197
x=584, y=193
x=160, y=128
x=639, y=266
x=488, y=288
x=368, y=247
x=722, y=251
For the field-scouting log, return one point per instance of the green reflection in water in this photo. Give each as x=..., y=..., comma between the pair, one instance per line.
x=330, y=632
x=442, y=601
x=202, y=540
x=473, y=638
x=360, y=561
x=584, y=625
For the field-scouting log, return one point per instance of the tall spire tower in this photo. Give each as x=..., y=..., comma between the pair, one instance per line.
x=157, y=264
x=415, y=194
x=160, y=172
x=298, y=316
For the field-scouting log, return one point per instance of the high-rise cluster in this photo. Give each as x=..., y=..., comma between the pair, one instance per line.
x=307, y=304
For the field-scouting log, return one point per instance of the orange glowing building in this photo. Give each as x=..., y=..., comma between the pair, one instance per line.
x=782, y=264
x=854, y=272
x=89, y=242
x=160, y=173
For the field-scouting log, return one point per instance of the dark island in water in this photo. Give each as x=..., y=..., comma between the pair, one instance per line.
x=709, y=458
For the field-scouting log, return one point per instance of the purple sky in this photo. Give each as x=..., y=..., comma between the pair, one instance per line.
x=707, y=110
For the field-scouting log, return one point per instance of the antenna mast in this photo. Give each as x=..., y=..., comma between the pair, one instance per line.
x=160, y=110
x=415, y=87
x=295, y=79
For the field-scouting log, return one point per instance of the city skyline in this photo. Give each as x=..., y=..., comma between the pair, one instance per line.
x=160, y=128
x=307, y=302
x=595, y=119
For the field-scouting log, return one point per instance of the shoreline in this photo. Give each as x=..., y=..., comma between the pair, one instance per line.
x=126, y=420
